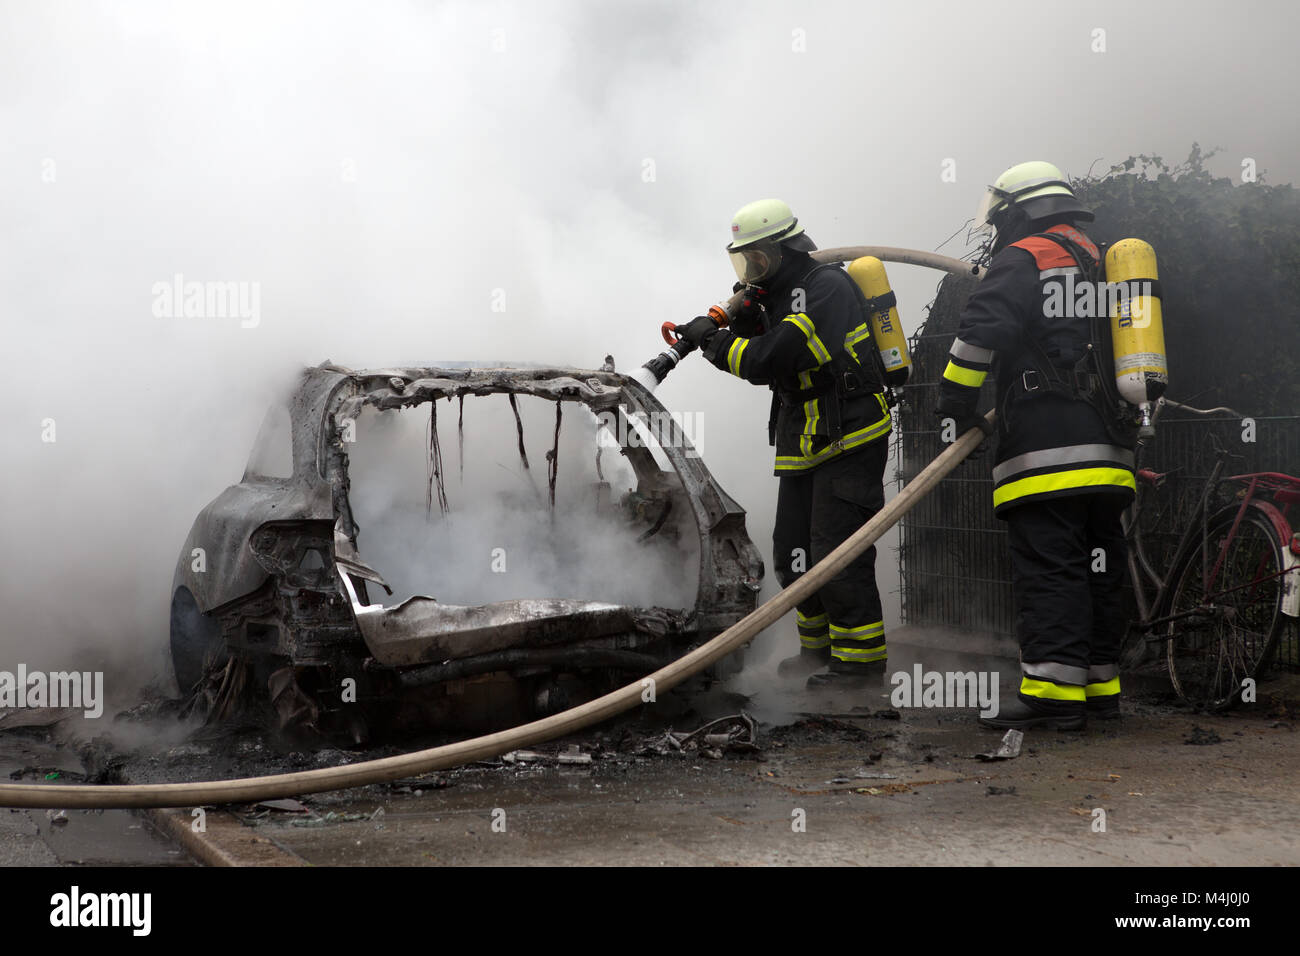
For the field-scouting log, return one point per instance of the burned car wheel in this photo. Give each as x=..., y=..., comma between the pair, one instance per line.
x=196, y=642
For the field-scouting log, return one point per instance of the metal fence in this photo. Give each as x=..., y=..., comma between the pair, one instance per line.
x=954, y=565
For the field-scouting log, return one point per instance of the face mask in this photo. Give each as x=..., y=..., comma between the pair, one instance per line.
x=757, y=262
x=993, y=200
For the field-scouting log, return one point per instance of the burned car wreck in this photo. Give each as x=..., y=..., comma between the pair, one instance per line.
x=278, y=599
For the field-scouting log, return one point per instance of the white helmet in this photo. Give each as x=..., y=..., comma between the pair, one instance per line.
x=758, y=232
x=1039, y=189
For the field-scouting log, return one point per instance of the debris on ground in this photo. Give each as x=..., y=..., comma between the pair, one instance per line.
x=865, y=775
x=818, y=727
x=860, y=713
x=733, y=734
x=418, y=785
x=330, y=818
x=1009, y=749
x=286, y=805
x=157, y=704
x=571, y=755
x=887, y=789
x=47, y=773
x=1201, y=737
x=992, y=791
x=15, y=717
x=574, y=755
x=524, y=756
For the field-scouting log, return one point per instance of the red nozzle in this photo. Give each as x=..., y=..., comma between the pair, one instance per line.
x=716, y=312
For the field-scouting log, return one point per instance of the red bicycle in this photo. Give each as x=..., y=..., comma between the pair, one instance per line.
x=1233, y=580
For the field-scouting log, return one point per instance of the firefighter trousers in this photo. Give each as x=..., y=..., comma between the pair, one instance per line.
x=816, y=511
x=1068, y=560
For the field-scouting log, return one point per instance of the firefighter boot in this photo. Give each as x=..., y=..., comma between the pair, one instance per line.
x=1102, y=692
x=809, y=660
x=1024, y=712
x=1104, y=708
x=849, y=675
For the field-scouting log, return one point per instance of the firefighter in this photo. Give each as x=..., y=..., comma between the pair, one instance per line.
x=1062, y=475
x=805, y=334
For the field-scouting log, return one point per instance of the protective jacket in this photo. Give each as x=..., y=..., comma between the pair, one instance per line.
x=1052, y=441
x=817, y=355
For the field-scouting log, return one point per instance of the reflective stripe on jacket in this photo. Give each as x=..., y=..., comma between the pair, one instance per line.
x=1049, y=444
x=821, y=334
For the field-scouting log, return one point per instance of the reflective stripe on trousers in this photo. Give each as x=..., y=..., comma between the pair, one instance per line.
x=862, y=645
x=814, y=632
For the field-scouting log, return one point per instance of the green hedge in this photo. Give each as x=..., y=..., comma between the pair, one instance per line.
x=1229, y=260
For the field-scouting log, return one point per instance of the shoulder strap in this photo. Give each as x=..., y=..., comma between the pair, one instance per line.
x=1097, y=362
x=1059, y=246
x=866, y=307
x=1052, y=250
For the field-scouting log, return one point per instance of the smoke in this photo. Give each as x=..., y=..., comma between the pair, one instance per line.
x=501, y=539
x=504, y=182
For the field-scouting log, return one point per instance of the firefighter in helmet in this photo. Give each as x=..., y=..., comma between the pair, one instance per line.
x=805, y=334
x=1063, y=473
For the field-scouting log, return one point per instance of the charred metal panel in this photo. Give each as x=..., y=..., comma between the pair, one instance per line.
x=420, y=630
x=223, y=530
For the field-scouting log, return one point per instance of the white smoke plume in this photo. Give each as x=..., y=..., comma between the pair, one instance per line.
x=544, y=182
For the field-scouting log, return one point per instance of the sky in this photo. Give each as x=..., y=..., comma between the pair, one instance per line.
x=395, y=183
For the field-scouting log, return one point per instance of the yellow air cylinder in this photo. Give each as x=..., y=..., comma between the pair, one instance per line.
x=1136, y=325
x=869, y=273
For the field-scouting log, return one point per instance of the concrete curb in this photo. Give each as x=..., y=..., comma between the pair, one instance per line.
x=225, y=841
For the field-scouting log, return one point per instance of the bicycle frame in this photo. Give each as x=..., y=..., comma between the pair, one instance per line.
x=1143, y=574
x=1150, y=608
x=1286, y=491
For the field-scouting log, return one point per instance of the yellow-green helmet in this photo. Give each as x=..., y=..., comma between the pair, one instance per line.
x=759, y=230
x=1037, y=188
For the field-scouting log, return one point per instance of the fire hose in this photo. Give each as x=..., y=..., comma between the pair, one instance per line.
x=916, y=257
x=382, y=770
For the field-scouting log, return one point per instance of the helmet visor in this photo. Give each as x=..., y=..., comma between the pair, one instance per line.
x=757, y=262
x=991, y=203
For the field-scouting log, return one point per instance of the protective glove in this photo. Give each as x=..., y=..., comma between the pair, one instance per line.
x=965, y=420
x=973, y=421
x=698, y=331
x=751, y=315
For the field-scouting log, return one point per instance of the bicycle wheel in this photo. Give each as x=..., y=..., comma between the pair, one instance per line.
x=1230, y=632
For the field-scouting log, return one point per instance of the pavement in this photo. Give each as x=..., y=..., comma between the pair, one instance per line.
x=71, y=837
x=832, y=779
x=1160, y=787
